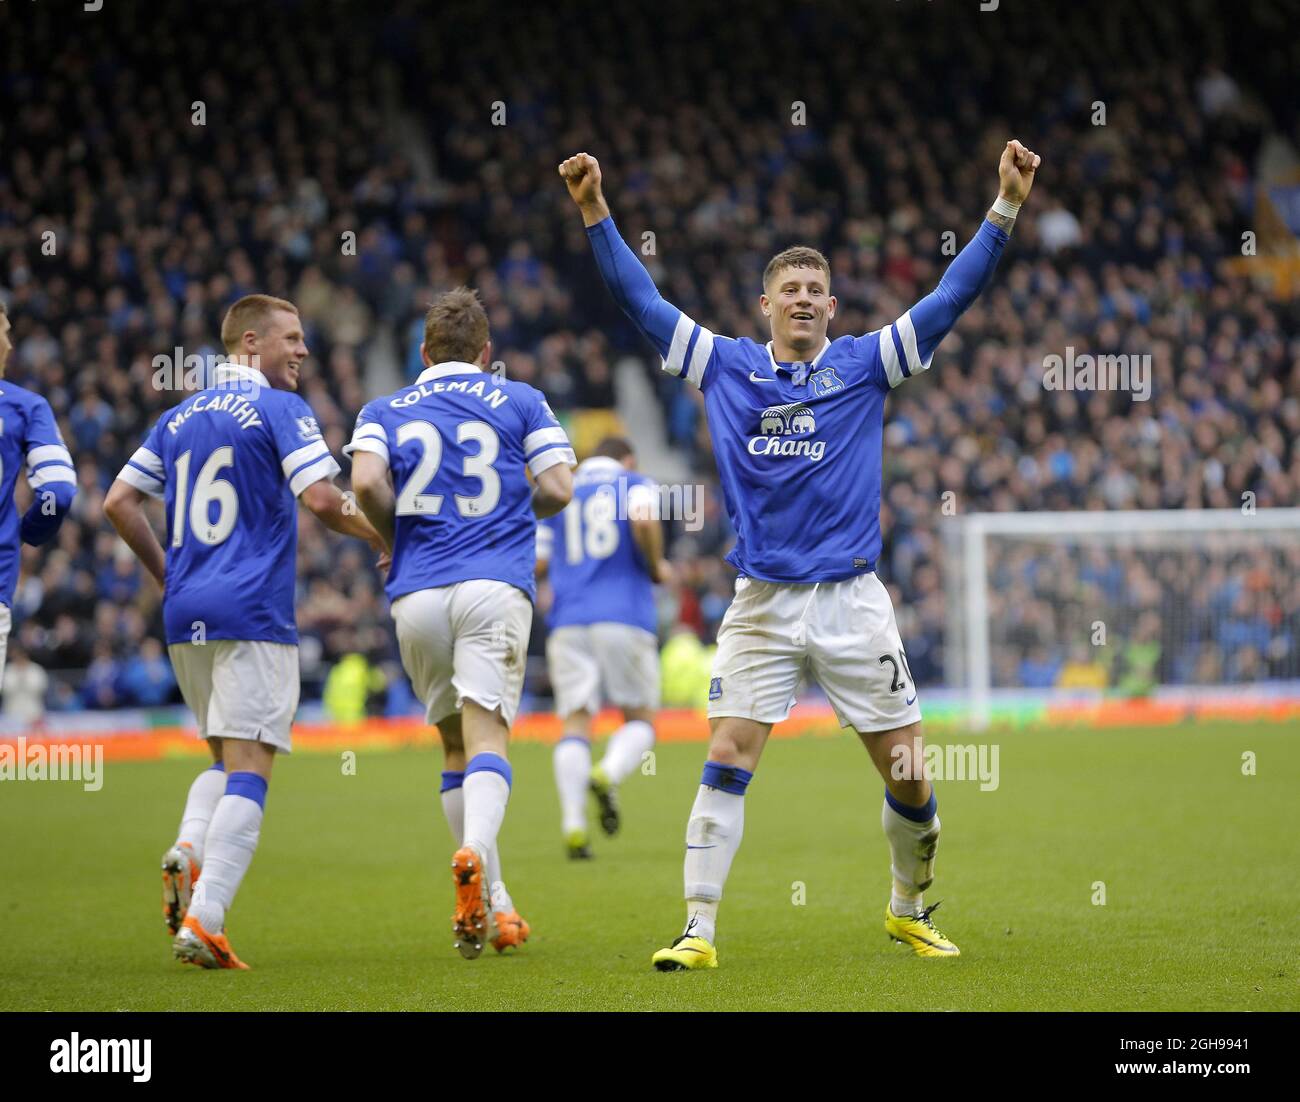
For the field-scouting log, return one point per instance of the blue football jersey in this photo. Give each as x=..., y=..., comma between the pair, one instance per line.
x=798, y=450
x=28, y=438
x=798, y=445
x=596, y=569
x=229, y=463
x=457, y=441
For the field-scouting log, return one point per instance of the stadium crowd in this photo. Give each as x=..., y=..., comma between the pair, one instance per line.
x=155, y=170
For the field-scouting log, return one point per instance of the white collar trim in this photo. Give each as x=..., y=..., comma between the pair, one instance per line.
x=232, y=370
x=813, y=363
x=448, y=367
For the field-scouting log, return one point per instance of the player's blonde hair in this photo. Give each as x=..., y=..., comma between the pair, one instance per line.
x=250, y=312
x=800, y=256
x=455, y=328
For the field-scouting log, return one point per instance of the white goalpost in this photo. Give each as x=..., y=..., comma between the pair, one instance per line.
x=1178, y=604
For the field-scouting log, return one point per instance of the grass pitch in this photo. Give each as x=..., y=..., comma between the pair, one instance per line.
x=348, y=903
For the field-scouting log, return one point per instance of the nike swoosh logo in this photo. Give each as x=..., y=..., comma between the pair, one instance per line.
x=753, y=378
x=701, y=847
x=912, y=701
x=690, y=949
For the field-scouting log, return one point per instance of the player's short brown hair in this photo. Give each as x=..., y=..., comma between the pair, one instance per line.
x=613, y=447
x=455, y=328
x=250, y=312
x=800, y=256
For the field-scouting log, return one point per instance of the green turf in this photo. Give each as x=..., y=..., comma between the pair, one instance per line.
x=347, y=905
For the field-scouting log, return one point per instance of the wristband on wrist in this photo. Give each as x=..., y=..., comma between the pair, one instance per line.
x=1005, y=207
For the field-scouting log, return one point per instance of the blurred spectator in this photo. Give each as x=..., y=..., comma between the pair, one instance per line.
x=350, y=686
x=1140, y=657
x=24, y=688
x=684, y=668
x=1082, y=670
x=324, y=172
x=146, y=679
x=99, y=686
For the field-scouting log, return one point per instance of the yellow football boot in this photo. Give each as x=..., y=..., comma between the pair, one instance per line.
x=686, y=952
x=919, y=932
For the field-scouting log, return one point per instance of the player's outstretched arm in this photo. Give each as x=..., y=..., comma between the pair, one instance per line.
x=624, y=274
x=336, y=512
x=918, y=332
x=124, y=507
x=374, y=489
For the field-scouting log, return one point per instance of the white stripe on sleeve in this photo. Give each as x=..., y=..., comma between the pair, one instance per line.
x=296, y=459
x=368, y=438
x=542, y=437
x=544, y=461
x=57, y=453
x=675, y=361
x=889, y=356
x=326, y=467
x=700, y=357
x=146, y=484
x=368, y=444
x=907, y=331
x=51, y=473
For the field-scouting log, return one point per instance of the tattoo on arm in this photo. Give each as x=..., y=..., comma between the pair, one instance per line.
x=1000, y=220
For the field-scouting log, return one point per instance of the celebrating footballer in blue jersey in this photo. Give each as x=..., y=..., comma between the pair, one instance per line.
x=229, y=464
x=796, y=428
x=603, y=553
x=439, y=467
x=29, y=439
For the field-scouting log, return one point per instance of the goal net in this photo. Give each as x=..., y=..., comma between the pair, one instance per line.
x=1165, y=605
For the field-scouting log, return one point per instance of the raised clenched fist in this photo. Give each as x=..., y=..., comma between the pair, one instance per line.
x=1016, y=171
x=581, y=176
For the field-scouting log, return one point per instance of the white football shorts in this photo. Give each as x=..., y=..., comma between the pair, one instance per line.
x=840, y=634
x=618, y=663
x=467, y=641
x=240, y=688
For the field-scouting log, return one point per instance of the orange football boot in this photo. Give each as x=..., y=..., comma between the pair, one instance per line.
x=194, y=945
x=512, y=930
x=469, y=922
